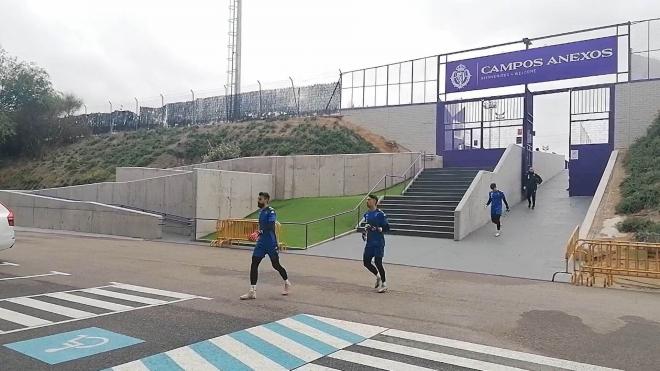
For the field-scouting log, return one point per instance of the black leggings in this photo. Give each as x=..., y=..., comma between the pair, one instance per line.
x=496, y=220
x=274, y=260
x=531, y=198
x=378, y=269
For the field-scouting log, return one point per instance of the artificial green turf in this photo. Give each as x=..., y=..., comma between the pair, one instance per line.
x=305, y=210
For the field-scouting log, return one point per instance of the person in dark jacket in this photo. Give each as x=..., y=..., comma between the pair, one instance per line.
x=375, y=225
x=532, y=181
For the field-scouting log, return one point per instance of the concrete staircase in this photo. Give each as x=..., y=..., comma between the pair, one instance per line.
x=426, y=209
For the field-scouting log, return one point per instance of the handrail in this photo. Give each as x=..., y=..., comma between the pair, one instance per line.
x=357, y=207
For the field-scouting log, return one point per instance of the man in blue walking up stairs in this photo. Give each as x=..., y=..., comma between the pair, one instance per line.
x=495, y=199
x=376, y=225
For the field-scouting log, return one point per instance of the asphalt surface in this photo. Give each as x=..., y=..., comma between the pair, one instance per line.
x=605, y=327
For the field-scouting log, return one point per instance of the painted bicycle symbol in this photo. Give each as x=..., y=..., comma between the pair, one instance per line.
x=81, y=342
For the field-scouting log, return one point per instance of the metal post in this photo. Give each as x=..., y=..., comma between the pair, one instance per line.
x=163, y=111
x=306, y=235
x=385, y=185
x=648, y=47
x=137, y=112
x=630, y=50
x=193, y=106
x=293, y=89
x=298, y=101
x=259, y=82
x=84, y=105
x=334, y=227
x=111, y=117
x=341, y=89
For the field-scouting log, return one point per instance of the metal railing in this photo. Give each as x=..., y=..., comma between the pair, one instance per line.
x=412, y=171
x=605, y=259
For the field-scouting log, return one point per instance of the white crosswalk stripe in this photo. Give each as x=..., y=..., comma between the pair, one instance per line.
x=69, y=305
x=313, y=343
x=435, y=356
x=382, y=363
x=188, y=359
x=53, y=308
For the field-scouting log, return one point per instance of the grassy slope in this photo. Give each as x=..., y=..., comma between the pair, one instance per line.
x=641, y=189
x=94, y=159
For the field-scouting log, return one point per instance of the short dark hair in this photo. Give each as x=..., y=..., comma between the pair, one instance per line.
x=493, y=185
x=373, y=197
x=264, y=195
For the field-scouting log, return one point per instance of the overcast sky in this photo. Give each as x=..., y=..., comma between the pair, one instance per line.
x=120, y=49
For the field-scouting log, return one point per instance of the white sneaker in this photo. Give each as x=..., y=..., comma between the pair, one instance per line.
x=287, y=288
x=378, y=282
x=252, y=294
x=382, y=288
x=497, y=234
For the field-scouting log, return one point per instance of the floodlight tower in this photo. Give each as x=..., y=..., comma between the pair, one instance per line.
x=234, y=60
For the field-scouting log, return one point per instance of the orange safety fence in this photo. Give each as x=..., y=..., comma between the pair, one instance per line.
x=603, y=260
x=232, y=231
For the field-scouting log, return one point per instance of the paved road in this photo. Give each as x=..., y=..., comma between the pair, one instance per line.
x=532, y=244
x=177, y=305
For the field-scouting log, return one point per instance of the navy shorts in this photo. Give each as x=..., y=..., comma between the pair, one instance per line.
x=261, y=251
x=371, y=252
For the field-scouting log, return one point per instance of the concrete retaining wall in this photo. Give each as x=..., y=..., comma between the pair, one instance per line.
x=588, y=221
x=320, y=175
x=170, y=194
x=129, y=174
x=636, y=104
x=50, y=213
x=470, y=214
x=226, y=194
x=548, y=165
x=413, y=126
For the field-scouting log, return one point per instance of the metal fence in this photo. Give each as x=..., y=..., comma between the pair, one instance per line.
x=315, y=99
x=423, y=80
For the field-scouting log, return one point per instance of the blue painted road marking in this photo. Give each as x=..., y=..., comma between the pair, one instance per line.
x=328, y=328
x=72, y=345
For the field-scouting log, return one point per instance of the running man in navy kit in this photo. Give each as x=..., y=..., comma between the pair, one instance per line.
x=376, y=225
x=495, y=199
x=266, y=245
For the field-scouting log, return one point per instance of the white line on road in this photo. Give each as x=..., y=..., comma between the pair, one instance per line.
x=22, y=319
x=436, y=356
x=148, y=290
x=8, y=264
x=52, y=273
x=53, y=308
x=119, y=295
x=376, y=362
x=493, y=351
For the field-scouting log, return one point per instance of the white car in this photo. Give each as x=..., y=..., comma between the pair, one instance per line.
x=7, y=237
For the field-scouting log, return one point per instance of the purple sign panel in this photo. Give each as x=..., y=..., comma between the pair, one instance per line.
x=557, y=62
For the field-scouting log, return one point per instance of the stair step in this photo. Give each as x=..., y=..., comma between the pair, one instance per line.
x=425, y=198
x=427, y=216
x=421, y=202
x=456, y=197
x=418, y=209
x=424, y=228
x=417, y=233
x=437, y=191
x=409, y=223
x=444, y=182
